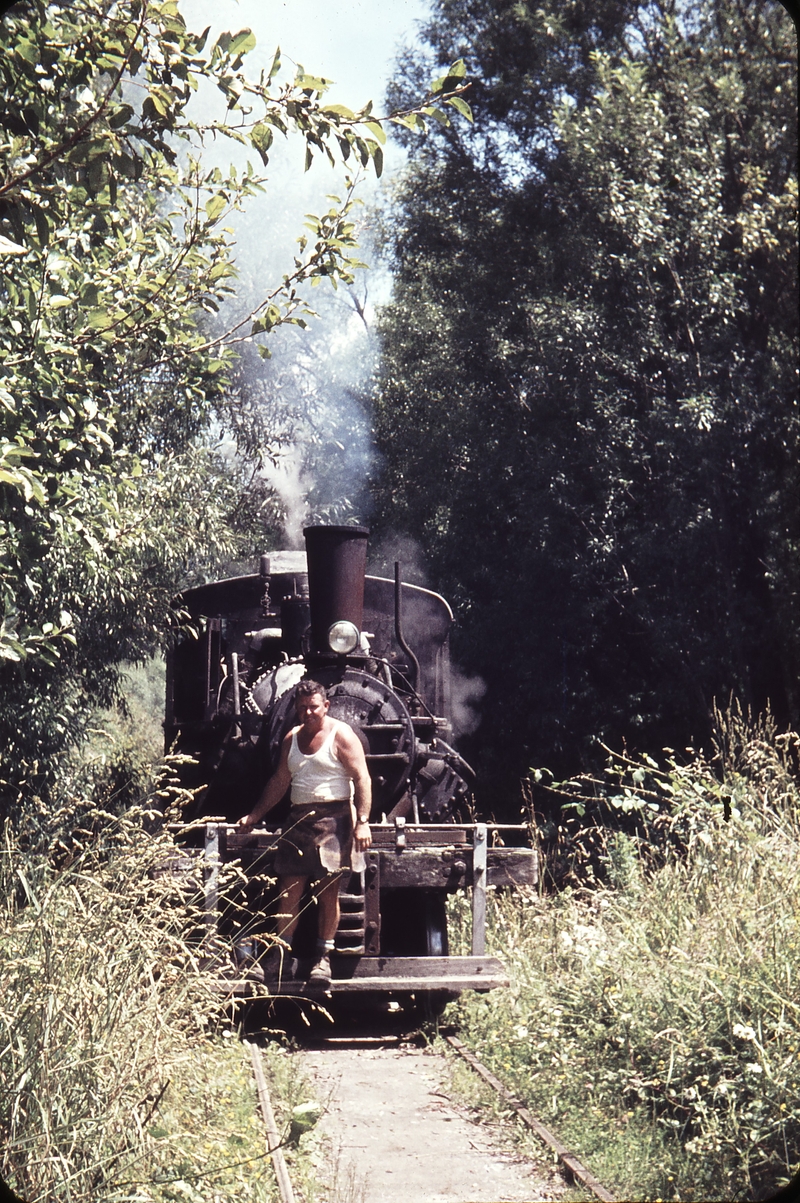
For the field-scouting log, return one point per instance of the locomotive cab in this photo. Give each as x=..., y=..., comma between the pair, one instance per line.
x=381, y=649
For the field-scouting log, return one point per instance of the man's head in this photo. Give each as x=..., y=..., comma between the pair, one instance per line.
x=311, y=703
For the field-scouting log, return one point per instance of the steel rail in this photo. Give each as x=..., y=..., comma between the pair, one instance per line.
x=273, y=1139
x=569, y=1161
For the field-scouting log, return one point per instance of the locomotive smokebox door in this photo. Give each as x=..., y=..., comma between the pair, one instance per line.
x=337, y=564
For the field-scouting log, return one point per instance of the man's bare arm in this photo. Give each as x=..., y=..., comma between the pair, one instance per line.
x=274, y=790
x=351, y=756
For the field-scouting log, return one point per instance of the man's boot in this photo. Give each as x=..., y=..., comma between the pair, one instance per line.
x=320, y=974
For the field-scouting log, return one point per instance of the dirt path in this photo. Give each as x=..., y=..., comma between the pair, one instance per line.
x=394, y=1136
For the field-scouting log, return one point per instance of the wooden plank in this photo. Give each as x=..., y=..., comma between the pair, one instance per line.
x=479, y=891
x=424, y=836
x=428, y=859
x=382, y=983
x=402, y=869
x=418, y=966
x=567, y=1159
x=438, y=868
x=512, y=867
x=251, y=841
x=382, y=838
x=411, y=985
x=430, y=867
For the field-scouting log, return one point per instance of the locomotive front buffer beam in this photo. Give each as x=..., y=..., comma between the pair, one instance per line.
x=435, y=859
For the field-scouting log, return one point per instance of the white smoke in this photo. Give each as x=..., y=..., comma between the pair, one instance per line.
x=311, y=388
x=394, y=547
x=288, y=479
x=466, y=696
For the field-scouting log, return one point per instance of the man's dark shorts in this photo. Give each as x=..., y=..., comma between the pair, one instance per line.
x=316, y=840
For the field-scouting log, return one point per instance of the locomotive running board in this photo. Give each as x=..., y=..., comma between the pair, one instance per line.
x=386, y=975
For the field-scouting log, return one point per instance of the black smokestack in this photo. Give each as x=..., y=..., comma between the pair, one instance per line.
x=337, y=563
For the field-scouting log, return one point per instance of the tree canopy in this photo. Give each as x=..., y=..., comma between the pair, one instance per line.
x=587, y=405
x=115, y=261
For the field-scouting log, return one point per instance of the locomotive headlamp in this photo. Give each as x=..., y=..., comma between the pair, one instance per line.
x=343, y=637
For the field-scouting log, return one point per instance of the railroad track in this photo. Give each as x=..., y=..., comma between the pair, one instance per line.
x=570, y=1165
x=573, y=1166
x=274, y=1143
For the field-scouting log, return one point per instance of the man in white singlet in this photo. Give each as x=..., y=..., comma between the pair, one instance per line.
x=328, y=826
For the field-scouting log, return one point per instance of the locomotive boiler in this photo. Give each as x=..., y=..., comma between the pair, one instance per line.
x=381, y=649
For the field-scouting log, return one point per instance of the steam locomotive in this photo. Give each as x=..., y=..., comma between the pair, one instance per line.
x=381, y=649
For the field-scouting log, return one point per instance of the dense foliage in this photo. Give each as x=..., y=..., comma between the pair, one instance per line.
x=119, y=1078
x=587, y=401
x=114, y=262
x=652, y=1018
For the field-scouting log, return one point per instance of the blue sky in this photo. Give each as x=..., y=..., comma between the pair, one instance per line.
x=352, y=42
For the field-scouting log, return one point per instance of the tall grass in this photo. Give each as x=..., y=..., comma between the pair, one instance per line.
x=654, y=1017
x=107, y=1017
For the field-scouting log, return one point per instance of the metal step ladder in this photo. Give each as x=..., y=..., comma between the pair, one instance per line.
x=350, y=935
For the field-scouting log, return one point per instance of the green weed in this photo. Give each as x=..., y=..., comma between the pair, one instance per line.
x=653, y=1016
x=118, y=1077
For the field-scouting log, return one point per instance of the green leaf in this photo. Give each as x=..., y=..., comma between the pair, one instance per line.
x=276, y=64
x=36, y=490
x=158, y=102
x=311, y=83
x=362, y=148
x=451, y=81
x=42, y=225
x=437, y=114
x=376, y=128
x=120, y=116
x=339, y=110
x=216, y=205
x=242, y=43
x=461, y=106
x=409, y=120
x=99, y=319
x=262, y=137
